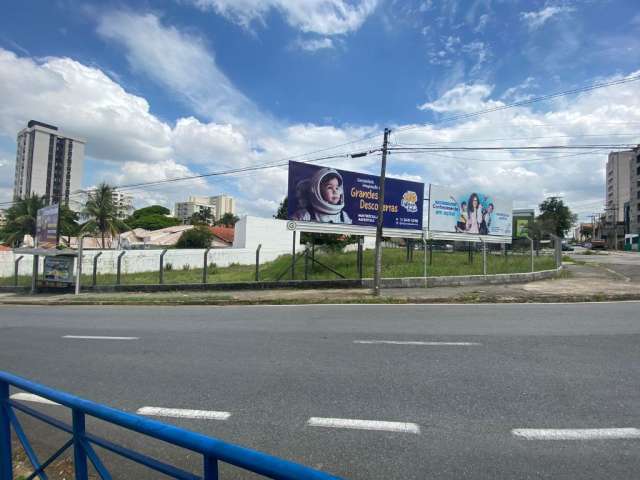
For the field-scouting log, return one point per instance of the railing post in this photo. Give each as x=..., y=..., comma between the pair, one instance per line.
x=15, y=270
x=204, y=266
x=306, y=262
x=210, y=468
x=258, y=262
x=94, y=279
x=119, y=267
x=161, y=279
x=6, y=459
x=79, y=455
x=360, y=257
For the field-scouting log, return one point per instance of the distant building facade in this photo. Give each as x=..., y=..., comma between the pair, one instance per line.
x=3, y=218
x=48, y=163
x=634, y=193
x=618, y=185
x=217, y=205
x=123, y=203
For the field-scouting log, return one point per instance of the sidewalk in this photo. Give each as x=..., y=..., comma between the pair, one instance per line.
x=578, y=283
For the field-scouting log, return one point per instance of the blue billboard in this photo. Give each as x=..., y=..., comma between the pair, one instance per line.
x=328, y=195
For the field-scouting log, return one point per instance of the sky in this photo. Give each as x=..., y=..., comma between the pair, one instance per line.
x=173, y=88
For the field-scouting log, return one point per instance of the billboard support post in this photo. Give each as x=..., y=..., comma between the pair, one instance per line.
x=383, y=170
x=34, y=275
x=424, y=245
x=293, y=257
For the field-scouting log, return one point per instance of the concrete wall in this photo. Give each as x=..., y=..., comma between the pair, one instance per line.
x=148, y=260
x=270, y=232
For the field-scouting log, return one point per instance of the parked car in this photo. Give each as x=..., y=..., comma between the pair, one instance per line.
x=567, y=248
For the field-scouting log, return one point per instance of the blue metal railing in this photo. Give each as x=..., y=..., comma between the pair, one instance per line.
x=212, y=450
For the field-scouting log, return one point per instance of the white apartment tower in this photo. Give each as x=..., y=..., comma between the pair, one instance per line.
x=218, y=206
x=618, y=185
x=48, y=163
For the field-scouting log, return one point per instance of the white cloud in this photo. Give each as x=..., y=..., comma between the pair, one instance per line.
x=537, y=19
x=314, y=44
x=461, y=99
x=178, y=61
x=325, y=17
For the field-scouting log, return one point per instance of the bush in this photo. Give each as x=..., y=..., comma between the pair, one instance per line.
x=186, y=267
x=168, y=267
x=213, y=268
x=199, y=237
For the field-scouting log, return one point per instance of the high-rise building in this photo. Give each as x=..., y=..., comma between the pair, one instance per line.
x=634, y=193
x=223, y=204
x=217, y=205
x=618, y=185
x=48, y=163
x=123, y=203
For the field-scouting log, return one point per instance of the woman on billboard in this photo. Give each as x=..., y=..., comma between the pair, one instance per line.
x=321, y=198
x=474, y=214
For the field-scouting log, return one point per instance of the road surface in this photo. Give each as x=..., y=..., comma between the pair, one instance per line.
x=447, y=392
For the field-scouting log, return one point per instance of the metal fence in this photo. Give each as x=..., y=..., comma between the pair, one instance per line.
x=401, y=258
x=213, y=451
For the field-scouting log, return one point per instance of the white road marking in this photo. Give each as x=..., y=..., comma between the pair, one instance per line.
x=576, y=433
x=183, y=413
x=434, y=344
x=95, y=337
x=30, y=397
x=402, y=427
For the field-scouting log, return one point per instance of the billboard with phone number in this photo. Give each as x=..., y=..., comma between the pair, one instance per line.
x=329, y=195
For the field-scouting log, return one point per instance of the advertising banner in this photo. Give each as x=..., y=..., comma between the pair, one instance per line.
x=47, y=226
x=521, y=227
x=59, y=269
x=328, y=195
x=469, y=211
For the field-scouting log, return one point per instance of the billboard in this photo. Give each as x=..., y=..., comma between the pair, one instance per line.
x=47, y=227
x=328, y=195
x=468, y=211
x=521, y=227
x=59, y=269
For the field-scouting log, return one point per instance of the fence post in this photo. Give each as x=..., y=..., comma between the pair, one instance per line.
x=424, y=244
x=79, y=267
x=6, y=459
x=119, y=267
x=484, y=257
x=94, y=279
x=79, y=455
x=205, y=266
x=258, y=262
x=306, y=262
x=162, y=266
x=15, y=270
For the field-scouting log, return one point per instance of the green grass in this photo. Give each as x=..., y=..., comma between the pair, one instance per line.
x=393, y=259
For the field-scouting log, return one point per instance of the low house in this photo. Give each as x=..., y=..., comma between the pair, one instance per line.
x=139, y=238
x=222, y=237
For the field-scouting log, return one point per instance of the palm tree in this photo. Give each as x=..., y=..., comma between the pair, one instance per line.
x=22, y=219
x=102, y=213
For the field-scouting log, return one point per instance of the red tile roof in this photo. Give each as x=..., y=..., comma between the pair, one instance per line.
x=4, y=248
x=224, y=233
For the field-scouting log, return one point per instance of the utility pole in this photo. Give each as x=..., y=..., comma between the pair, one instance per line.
x=377, y=272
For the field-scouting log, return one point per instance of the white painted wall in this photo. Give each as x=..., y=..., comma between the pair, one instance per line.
x=271, y=233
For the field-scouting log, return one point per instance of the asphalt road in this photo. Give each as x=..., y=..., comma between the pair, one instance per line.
x=503, y=367
x=626, y=265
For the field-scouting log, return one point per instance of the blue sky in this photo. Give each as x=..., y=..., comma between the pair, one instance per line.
x=167, y=88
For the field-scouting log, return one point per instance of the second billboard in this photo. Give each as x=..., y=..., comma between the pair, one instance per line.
x=470, y=212
x=328, y=195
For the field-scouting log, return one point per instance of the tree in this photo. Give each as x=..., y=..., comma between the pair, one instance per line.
x=68, y=225
x=283, y=210
x=102, y=213
x=154, y=217
x=203, y=217
x=22, y=218
x=198, y=237
x=555, y=217
x=227, y=220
